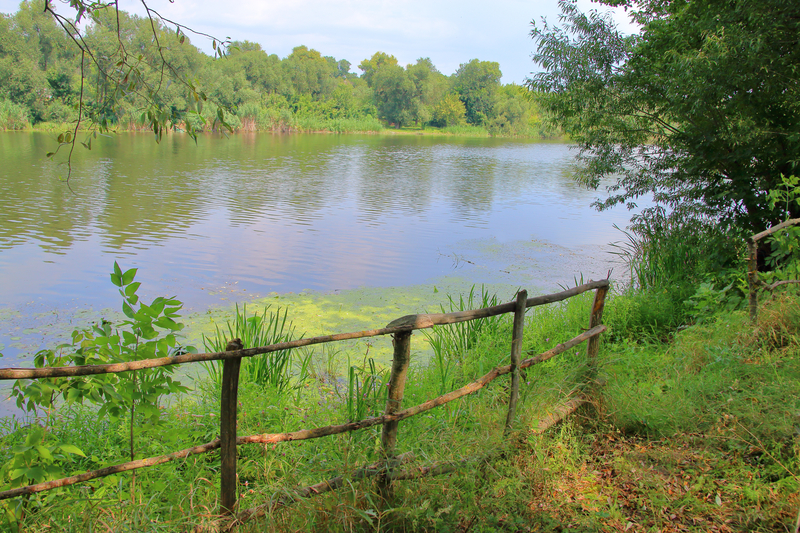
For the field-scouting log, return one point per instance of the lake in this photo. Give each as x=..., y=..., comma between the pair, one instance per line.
x=252, y=215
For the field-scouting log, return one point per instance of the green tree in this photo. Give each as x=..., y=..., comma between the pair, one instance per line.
x=370, y=66
x=394, y=94
x=449, y=111
x=476, y=83
x=430, y=87
x=262, y=70
x=512, y=110
x=309, y=73
x=700, y=110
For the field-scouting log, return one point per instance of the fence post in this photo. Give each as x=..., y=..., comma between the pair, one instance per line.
x=516, y=351
x=227, y=428
x=752, y=277
x=397, y=385
x=593, y=346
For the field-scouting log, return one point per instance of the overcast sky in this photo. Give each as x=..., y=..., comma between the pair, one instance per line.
x=449, y=32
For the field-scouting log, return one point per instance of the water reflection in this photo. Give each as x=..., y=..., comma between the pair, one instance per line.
x=274, y=212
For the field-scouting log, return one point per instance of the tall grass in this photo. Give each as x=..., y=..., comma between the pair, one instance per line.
x=676, y=267
x=366, y=391
x=273, y=369
x=465, y=130
x=452, y=343
x=666, y=251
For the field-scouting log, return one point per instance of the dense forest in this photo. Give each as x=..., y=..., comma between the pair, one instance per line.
x=41, y=72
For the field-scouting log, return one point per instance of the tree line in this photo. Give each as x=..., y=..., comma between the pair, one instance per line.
x=44, y=76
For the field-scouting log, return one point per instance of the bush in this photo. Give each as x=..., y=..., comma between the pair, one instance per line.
x=13, y=116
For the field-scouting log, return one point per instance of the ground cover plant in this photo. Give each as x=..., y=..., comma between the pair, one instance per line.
x=695, y=427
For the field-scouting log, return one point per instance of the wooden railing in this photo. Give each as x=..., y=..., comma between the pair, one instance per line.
x=387, y=469
x=753, y=283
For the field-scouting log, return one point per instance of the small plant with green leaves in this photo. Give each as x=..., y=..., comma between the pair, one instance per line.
x=150, y=331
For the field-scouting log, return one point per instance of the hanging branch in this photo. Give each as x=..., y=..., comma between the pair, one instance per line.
x=125, y=66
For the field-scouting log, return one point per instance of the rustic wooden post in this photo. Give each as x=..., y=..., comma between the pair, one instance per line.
x=397, y=385
x=593, y=346
x=752, y=277
x=227, y=428
x=516, y=351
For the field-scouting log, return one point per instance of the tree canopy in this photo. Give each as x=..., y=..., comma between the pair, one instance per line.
x=701, y=109
x=120, y=71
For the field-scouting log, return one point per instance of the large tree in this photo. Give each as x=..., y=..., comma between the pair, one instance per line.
x=701, y=109
x=476, y=83
x=394, y=94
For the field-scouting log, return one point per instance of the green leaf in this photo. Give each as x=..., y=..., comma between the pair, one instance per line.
x=36, y=474
x=131, y=289
x=71, y=448
x=128, y=310
x=129, y=338
x=167, y=323
x=44, y=453
x=128, y=276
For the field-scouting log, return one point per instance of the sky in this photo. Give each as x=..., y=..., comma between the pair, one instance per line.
x=449, y=32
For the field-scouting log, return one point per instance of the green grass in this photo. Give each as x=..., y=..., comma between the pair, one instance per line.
x=693, y=428
x=273, y=369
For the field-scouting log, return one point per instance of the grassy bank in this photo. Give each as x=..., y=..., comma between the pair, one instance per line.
x=695, y=429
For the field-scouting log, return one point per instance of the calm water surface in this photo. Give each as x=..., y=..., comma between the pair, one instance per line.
x=283, y=213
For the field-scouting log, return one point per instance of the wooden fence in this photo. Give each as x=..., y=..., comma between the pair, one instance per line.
x=753, y=283
x=386, y=470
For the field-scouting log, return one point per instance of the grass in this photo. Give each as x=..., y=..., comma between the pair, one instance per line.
x=271, y=369
x=695, y=429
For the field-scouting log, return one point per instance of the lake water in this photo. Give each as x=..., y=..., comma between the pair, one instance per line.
x=229, y=219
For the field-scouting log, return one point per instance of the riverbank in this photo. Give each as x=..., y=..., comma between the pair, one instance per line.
x=538, y=267
x=692, y=431
x=324, y=126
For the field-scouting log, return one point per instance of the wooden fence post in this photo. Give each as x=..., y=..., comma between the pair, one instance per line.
x=593, y=346
x=397, y=385
x=516, y=351
x=752, y=277
x=227, y=428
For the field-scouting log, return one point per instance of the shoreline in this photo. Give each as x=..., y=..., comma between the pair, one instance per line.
x=469, y=132
x=336, y=311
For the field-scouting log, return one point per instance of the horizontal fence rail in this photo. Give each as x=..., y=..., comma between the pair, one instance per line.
x=385, y=470
x=314, y=433
x=406, y=323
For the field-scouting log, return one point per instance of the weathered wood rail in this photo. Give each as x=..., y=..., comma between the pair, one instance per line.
x=753, y=283
x=387, y=469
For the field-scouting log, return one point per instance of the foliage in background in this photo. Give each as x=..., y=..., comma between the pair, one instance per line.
x=50, y=81
x=699, y=109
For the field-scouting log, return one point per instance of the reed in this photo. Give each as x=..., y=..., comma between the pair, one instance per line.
x=271, y=369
